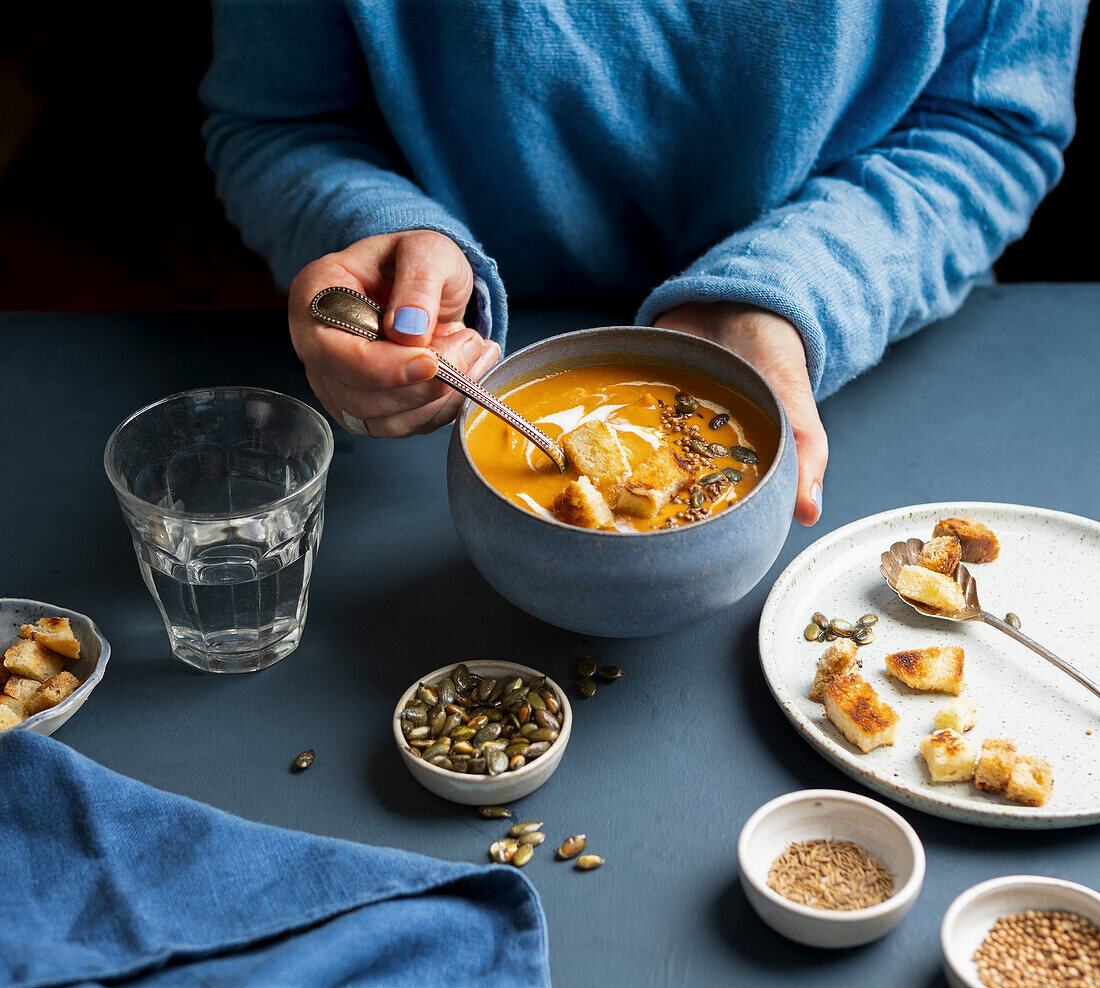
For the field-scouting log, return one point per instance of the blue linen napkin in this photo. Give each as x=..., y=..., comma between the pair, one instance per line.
x=105, y=879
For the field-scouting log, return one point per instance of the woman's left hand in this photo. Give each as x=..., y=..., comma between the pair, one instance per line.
x=774, y=347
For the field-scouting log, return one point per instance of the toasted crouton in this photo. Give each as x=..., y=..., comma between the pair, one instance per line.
x=979, y=544
x=12, y=712
x=938, y=669
x=994, y=766
x=838, y=659
x=52, y=692
x=858, y=712
x=948, y=756
x=656, y=482
x=941, y=555
x=928, y=587
x=28, y=658
x=958, y=715
x=597, y=452
x=22, y=688
x=55, y=633
x=1031, y=781
x=580, y=504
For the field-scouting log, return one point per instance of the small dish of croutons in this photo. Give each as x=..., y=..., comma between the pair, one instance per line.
x=51, y=658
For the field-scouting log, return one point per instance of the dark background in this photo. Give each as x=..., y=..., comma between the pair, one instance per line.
x=106, y=203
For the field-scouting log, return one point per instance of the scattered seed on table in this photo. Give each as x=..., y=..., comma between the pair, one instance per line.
x=572, y=846
x=522, y=855
x=534, y=838
x=609, y=673
x=585, y=666
x=587, y=687
x=526, y=827
x=586, y=862
x=304, y=760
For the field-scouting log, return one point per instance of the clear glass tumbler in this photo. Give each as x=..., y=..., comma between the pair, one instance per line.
x=223, y=490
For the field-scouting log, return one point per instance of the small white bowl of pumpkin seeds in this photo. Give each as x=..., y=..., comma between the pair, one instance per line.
x=829, y=868
x=482, y=732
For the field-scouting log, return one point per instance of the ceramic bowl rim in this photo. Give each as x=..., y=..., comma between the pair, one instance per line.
x=781, y=449
x=78, y=696
x=306, y=491
x=836, y=917
x=488, y=781
x=969, y=897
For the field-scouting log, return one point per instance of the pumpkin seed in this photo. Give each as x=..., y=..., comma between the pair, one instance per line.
x=415, y=717
x=585, y=666
x=609, y=673
x=717, y=449
x=497, y=744
x=415, y=752
x=697, y=447
x=545, y=734
x=843, y=628
x=461, y=676
x=524, y=827
x=820, y=619
x=868, y=619
x=587, y=687
x=485, y=688
x=863, y=636
x=489, y=732
x=497, y=762
x=417, y=733
x=498, y=851
x=450, y=724
x=586, y=862
x=478, y=722
x=447, y=692
x=830, y=635
x=546, y=719
x=522, y=855
x=742, y=454
x=536, y=702
x=437, y=749
x=534, y=838
x=811, y=632
x=572, y=846
x=462, y=748
x=518, y=747
x=712, y=478
x=550, y=700
x=515, y=761
x=821, y=635
x=459, y=765
x=733, y=476
x=1013, y=619
x=494, y=812
x=476, y=766
x=463, y=733
x=439, y=761
x=304, y=760
x=428, y=695
x=538, y=748
x=422, y=743
x=437, y=723
x=697, y=498
x=719, y=420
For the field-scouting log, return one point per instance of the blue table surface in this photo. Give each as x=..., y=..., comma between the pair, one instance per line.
x=998, y=403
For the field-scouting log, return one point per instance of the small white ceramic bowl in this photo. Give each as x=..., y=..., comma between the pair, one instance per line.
x=971, y=916
x=836, y=815
x=484, y=790
x=89, y=668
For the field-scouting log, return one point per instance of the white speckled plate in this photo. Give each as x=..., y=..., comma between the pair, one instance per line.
x=1046, y=573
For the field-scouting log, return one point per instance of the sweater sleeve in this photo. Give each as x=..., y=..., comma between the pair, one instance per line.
x=886, y=241
x=301, y=155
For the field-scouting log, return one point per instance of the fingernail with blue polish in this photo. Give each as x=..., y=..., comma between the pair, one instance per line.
x=410, y=321
x=815, y=495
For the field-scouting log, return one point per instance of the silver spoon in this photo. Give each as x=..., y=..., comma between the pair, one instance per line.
x=342, y=308
x=908, y=554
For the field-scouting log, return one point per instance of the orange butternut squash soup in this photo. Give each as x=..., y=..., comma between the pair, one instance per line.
x=649, y=447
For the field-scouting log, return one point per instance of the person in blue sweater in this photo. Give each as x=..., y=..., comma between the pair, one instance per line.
x=803, y=182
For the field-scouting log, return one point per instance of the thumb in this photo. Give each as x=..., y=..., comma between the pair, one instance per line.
x=813, y=452
x=428, y=268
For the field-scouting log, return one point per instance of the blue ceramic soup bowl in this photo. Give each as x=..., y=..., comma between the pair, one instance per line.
x=614, y=584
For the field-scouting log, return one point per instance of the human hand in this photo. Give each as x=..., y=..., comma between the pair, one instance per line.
x=385, y=388
x=774, y=347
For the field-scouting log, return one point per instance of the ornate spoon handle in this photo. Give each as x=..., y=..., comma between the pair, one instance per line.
x=354, y=313
x=1023, y=639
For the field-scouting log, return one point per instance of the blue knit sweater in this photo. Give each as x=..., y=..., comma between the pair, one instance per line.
x=853, y=166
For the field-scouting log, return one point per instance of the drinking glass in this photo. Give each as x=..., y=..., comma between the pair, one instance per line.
x=223, y=491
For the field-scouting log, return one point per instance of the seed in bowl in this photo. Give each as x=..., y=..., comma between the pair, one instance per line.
x=830, y=874
x=481, y=725
x=1040, y=949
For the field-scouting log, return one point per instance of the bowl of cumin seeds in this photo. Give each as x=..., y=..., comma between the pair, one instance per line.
x=828, y=868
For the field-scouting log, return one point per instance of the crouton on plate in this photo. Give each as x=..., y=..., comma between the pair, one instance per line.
x=52, y=692
x=22, y=688
x=55, y=633
x=979, y=544
x=958, y=715
x=948, y=756
x=938, y=669
x=1030, y=782
x=656, y=482
x=580, y=504
x=12, y=712
x=597, y=452
x=838, y=659
x=941, y=555
x=933, y=589
x=857, y=711
x=28, y=658
x=994, y=767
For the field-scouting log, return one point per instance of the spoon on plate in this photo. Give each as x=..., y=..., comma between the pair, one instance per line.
x=908, y=554
x=342, y=308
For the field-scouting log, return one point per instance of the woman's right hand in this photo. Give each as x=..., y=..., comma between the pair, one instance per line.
x=385, y=388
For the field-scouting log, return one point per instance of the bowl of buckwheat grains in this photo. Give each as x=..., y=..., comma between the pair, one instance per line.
x=482, y=732
x=1023, y=931
x=829, y=868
